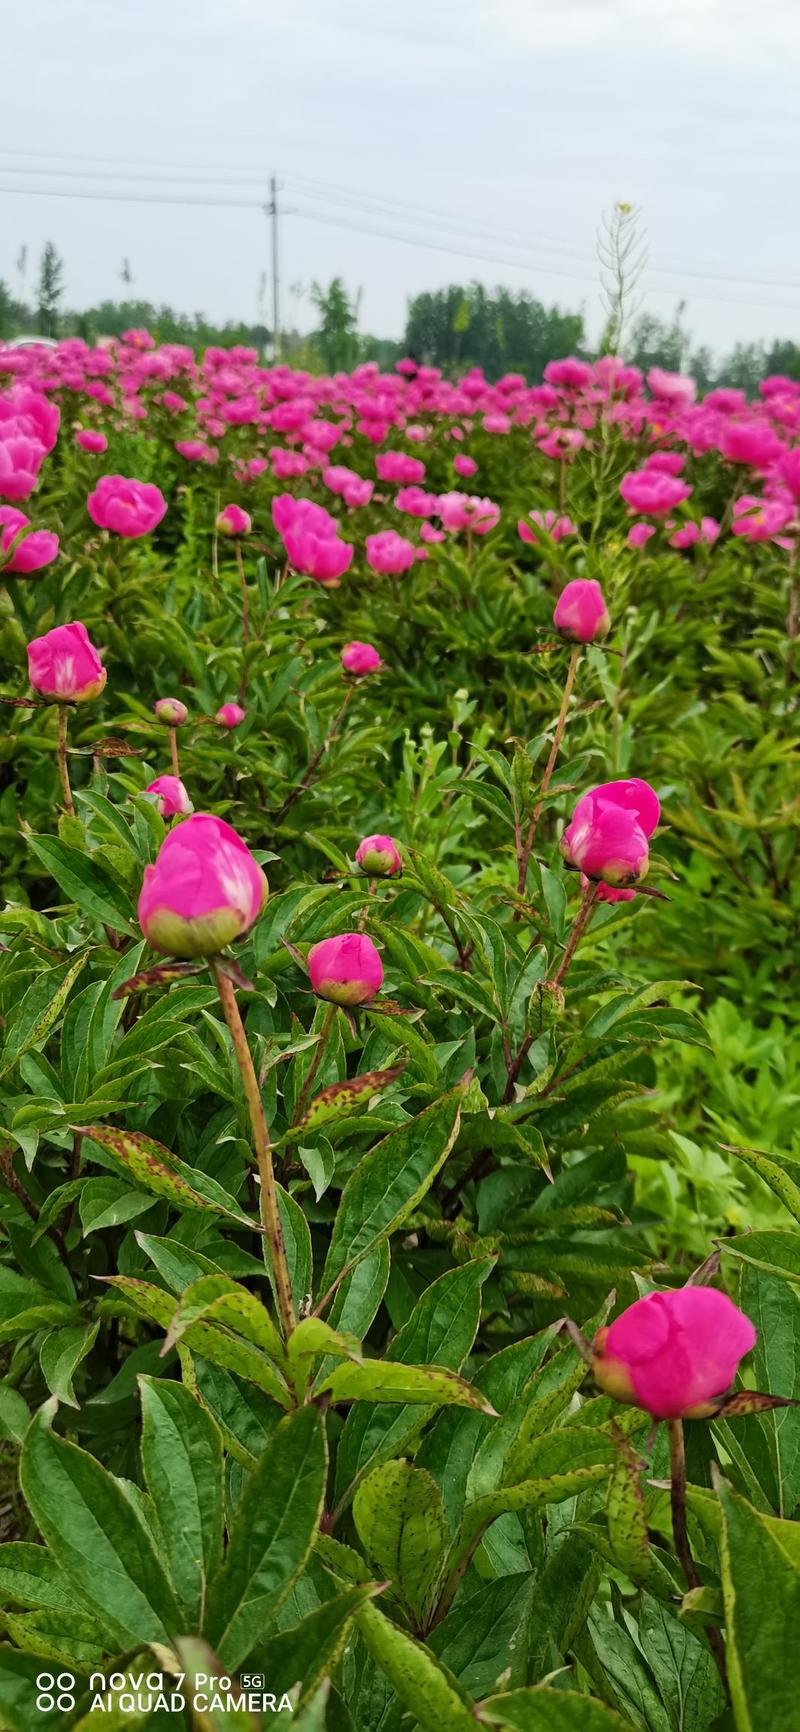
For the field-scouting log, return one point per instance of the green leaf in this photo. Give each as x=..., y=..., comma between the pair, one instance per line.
x=216, y=1344
x=108, y=1202
x=26, y=1305
x=30, y=1576
x=218, y=1299
x=627, y=1521
x=341, y=1099
x=297, y=1240
x=85, y=882
x=775, y=1250
x=761, y=1586
x=682, y=1666
x=274, y=1530
x=60, y=1355
x=424, y=1685
x=390, y=1181
x=15, y=1415
x=400, y=1521
x=485, y=1636
x=383, y=1380
x=545, y=1710
x=96, y=1536
x=783, y=1182
x=38, y=1013
x=182, y=1462
x=766, y=1447
x=308, y=1652
x=163, y=1173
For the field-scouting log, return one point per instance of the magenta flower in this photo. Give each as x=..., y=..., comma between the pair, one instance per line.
x=465, y=511
x=64, y=665
x=389, y=553
x=128, y=508
x=397, y=466
x=379, y=857
x=204, y=890
x=673, y=1353
x=580, y=613
x=653, y=492
x=360, y=659
x=557, y=527
x=232, y=520
x=36, y=550
x=229, y=715
x=172, y=799
x=346, y=970
x=91, y=439
x=464, y=465
x=325, y=558
x=676, y=389
x=607, y=836
x=21, y=459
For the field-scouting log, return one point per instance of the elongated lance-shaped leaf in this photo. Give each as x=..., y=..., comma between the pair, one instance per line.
x=219, y=1299
x=213, y=1342
x=163, y=1173
x=182, y=1461
x=425, y=1687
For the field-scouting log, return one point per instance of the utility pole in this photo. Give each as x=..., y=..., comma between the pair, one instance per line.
x=272, y=212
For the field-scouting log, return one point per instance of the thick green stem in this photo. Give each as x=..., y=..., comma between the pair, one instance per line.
x=245, y=620
x=524, y=852
x=677, y=1470
x=270, y=1213
x=61, y=755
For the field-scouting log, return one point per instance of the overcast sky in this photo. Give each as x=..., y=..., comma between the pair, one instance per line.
x=521, y=120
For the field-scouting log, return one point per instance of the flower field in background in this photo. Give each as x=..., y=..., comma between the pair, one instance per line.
x=399, y=1165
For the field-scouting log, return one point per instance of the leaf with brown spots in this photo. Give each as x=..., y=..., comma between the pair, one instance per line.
x=342, y=1098
x=161, y=1172
x=161, y=975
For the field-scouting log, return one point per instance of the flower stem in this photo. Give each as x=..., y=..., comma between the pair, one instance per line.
x=322, y=1041
x=579, y=926
x=61, y=755
x=270, y=1213
x=524, y=852
x=677, y=1470
x=245, y=620
x=173, y=751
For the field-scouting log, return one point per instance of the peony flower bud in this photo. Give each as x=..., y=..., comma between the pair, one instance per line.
x=232, y=520
x=65, y=666
x=36, y=549
x=229, y=715
x=360, y=659
x=91, y=439
x=170, y=711
x=172, y=799
x=608, y=833
x=204, y=890
x=673, y=1353
x=129, y=508
x=581, y=614
x=379, y=857
x=345, y=970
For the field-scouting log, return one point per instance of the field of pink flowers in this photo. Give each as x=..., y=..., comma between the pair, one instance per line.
x=399, y=1169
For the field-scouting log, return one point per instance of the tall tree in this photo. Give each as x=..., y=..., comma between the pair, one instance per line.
x=336, y=335
x=49, y=291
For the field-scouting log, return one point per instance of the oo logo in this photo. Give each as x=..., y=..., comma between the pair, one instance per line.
x=55, y=1692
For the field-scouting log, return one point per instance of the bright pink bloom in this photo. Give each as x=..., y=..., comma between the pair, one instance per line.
x=415, y=501
x=129, y=508
x=352, y=488
x=750, y=442
x=760, y=519
x=36, y=550
x=289, y=513
x=360, y=659
x=605, y=893
x=232, y=520
x=639, y=534
x=673, y=388
x=397, y=466
x=653, y=492
x=65, y=666
x=21, y=459
x=463, y=464
x=204, y=890
x=789, y=471
x=285, y=464
x=172, y=799
x=325, y=558
x=561, y=444
x=379, y=856
x=554, y=526
x=580, y=613
x=465, y=511
x=673, y=1353
x=229, y=715
x=608, y=833
x=26, y=410
x=428, y=532
x=195, y=451
x=389, y=553
x=496, y=424
x=345, y=970
x=91, y=439
x=170, y=711
x=669, y=462
x=569, y=372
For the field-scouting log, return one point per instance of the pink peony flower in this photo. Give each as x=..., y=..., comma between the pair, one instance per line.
x=65, y=666
x=352, y=488
x=90, y=439
x=289, y=513
x=325, y=558
x=465, y=511
x=36, y=550
x=345, y=970
x=415, y=501
x=20, y=461
x=229, y=715
x=669, y=462
x=360, y=659
x=128, y=508
x=464, y=465
x=639, y=534
x=232, y=520
x=204, y=890
x=674, y=388
x=653, y=492
x=170, y=711
x=553, y=525
x=751, y=442
x=569, y=373
x=673, y=1353
x=172, y=799
x=789, y=471
x=389, y=553
x=397, y=466
x=379, y=856
x=580, y=613
x=561, y=444
x=608, y=833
